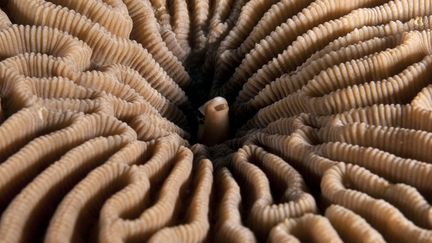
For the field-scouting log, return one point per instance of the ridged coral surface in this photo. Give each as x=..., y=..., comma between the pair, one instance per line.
x=331, y=119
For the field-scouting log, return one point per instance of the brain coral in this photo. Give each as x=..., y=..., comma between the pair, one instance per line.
x=215, y=121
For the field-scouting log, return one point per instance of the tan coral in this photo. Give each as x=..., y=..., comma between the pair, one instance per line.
x=95, y=120
x=352, y=82
x=284, y=34
x=111, y=49
x=390, y=221
x=196, y=225
x=308, y=228
x=264, y=212
x=230, y=227
x=350, y=226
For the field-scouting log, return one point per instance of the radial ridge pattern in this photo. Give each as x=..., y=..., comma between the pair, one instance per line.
x=326, y=112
